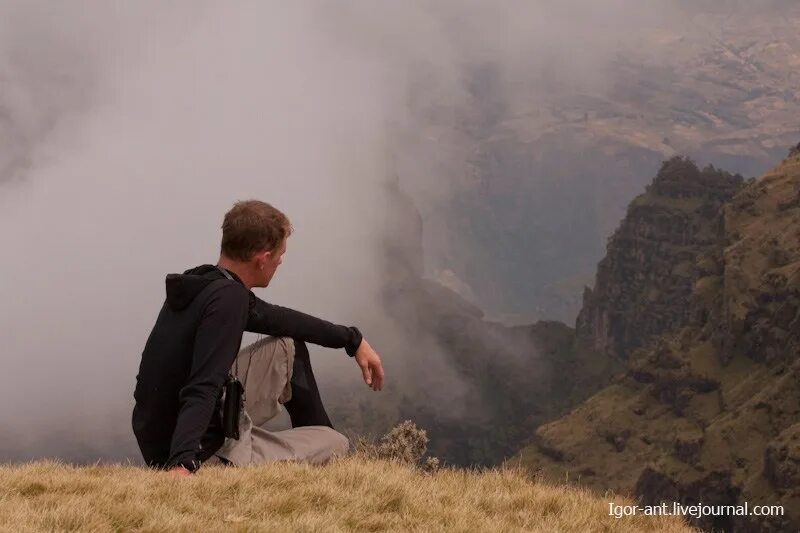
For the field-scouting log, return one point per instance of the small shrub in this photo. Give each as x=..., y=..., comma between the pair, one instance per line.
x=405, y=443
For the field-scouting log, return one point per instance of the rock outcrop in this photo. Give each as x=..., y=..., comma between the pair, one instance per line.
x=644, y=282
x=708, y=410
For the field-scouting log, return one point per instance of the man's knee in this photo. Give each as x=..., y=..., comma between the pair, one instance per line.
x=271, y=344
x=286, y=343
x=265, y=369
x=265, y=354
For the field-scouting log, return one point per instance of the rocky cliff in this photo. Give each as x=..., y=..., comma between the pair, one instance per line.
x=644, y=281
x=708, y=409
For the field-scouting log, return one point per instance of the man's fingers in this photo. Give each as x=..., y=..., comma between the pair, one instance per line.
x=367, y=374
x=179, y=471
x=377, y=376
x=380, y=376
x=374, y=383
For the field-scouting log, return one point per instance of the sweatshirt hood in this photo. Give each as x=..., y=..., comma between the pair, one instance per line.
x=183, y=288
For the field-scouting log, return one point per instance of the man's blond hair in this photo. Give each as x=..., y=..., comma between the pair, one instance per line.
x=251, y=226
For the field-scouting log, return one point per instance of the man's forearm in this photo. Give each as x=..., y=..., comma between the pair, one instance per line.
x=198, y=405
x=278, y=321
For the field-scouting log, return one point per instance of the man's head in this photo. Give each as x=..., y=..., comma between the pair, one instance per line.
x=254, y=236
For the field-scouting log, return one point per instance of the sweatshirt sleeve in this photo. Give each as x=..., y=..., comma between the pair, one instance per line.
x=217, y=341
x=270, y=319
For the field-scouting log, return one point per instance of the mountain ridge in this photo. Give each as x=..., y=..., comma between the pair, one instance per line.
x=708, y=410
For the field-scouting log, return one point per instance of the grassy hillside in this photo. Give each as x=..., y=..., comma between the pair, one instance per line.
x=349, y=494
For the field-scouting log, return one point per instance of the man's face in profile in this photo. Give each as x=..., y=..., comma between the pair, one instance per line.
x=270, y=260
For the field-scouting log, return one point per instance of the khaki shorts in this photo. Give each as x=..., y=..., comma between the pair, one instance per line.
x=265, y=430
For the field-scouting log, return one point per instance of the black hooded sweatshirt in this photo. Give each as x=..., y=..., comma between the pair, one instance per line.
x=177, y=417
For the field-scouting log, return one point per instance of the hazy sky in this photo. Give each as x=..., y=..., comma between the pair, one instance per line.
x=128, y=129
x=166, y=123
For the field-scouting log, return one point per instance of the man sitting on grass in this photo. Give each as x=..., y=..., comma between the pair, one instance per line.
x=195, y=343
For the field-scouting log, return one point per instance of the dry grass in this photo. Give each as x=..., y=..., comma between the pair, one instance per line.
x=349, y=494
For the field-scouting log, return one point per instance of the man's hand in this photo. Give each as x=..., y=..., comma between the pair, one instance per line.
x=370, y=365
x=179, y=471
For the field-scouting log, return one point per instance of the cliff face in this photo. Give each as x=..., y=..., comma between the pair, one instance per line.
x=643, y=284
x=758, y=308
x=708, y=411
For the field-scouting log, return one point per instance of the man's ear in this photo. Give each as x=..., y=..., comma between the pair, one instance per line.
x=262, y=258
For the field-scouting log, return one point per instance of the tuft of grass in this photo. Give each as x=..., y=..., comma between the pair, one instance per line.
x=357, y=493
